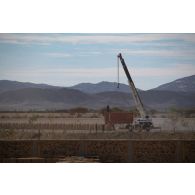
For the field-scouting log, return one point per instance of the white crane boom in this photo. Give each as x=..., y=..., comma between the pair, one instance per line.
x=136, y=97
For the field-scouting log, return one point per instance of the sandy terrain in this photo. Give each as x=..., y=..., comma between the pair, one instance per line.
x=83, y=126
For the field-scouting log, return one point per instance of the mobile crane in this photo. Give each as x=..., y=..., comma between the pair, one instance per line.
x=144, y=122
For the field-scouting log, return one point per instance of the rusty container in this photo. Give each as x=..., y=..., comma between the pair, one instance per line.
x=118, y=117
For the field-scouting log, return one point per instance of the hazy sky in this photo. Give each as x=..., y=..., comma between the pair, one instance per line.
x=68, y=59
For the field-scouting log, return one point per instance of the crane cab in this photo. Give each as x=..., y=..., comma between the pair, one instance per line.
x=142, y=123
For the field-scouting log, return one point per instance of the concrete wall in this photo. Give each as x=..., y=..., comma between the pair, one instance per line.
x=105, y=150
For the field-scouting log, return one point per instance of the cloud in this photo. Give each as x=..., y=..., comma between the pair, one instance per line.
x=176, y=70
x=73, y=54
x=89, y=53
x=145, y=78
x=91, y=38
x=159, y=53
x=59, y=55
x=179, y=70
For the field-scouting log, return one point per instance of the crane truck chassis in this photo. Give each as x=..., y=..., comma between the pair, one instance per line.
x=144, y=122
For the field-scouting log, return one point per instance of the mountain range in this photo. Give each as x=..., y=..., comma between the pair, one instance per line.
x=186, y=84
x=29, y=96
x=103, y=86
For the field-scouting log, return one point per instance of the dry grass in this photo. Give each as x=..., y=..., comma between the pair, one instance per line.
x=85, y=126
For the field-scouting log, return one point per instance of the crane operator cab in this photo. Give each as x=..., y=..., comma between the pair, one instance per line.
x=142, y=123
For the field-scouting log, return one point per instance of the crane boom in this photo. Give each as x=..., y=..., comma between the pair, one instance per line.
x=135, y=93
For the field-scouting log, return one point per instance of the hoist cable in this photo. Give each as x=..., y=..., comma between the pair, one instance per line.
x=118, y=73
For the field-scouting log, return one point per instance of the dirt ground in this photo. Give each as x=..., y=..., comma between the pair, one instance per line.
x=85, y=127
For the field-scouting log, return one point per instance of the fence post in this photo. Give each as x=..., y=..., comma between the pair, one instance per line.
x=96, y=128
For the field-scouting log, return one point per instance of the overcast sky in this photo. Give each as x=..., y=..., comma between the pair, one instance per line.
x=68, y=59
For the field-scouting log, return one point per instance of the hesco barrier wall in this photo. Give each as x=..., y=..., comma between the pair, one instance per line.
x=52, y=126
x=105, y=150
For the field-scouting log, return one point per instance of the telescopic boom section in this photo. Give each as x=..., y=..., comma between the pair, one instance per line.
x=136, y=96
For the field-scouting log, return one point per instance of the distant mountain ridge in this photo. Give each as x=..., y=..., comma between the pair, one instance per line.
x=103, y=86
x=29, y=96
x=52, y=99
x=6, y=85
x=186, y=84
